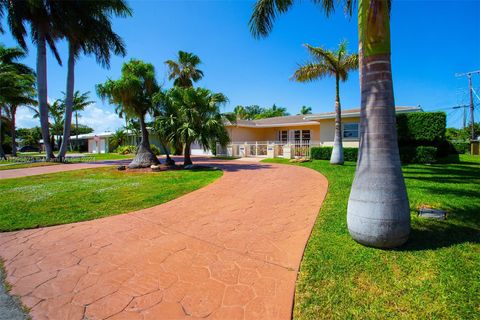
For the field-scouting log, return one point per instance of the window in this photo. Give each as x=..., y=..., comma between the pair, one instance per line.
x=297, y=135
x=305, y=135
x=283, y=136
x=350, y=130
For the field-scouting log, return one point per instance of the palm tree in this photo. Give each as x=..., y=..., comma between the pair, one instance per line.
x=79, y=102
x=17, y=88
x=88, y=30
x=44, y=18
x=378, y=211
x=134, y=91
x=56, y=111
x=306, y=110
x=184, y=71
x=330, y=63
x=195, y=116
x=118, y=138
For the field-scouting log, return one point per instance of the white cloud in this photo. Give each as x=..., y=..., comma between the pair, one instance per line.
x=100, y=119
x=97, y=118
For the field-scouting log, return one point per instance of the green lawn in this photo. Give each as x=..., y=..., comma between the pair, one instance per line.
x=436, y=275
x=8, y=165
x=89, y=194
x=98, y=156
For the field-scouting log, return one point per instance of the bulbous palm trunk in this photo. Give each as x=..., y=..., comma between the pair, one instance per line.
x=337, y=152
x=67, y=123
x=187, y=159
x=378, y=213
x=42, y=92
x=145, y=157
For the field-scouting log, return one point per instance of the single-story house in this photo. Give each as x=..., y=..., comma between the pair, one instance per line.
x=270, y=137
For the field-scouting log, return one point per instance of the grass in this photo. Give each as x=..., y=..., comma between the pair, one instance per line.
x=434, y=276
x=89, y=194
x=98, y=156
x=9, y=165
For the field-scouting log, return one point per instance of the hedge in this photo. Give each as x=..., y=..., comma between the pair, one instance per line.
x=421, y=128
x=461, y=147
x=420, y=154
x=324, y=153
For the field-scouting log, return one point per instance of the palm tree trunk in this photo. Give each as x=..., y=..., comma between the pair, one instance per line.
x=13, y=112
x=187, y=160
x=77, y=144
x=337, y=152
x=378, y=213
x=67, y=123
x=42, y=92
x=2, y=152
x=145, y=157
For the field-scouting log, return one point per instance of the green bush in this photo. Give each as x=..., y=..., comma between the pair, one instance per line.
x=407, y=154
x=156, y=150
x=321, y=153
x=350, y=154
x=461, y=147
x=126, y=149
x=421, y=128
x=425, y=154
x=324, y=153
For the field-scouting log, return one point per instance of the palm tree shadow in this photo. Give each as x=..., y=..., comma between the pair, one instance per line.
x=430, y=235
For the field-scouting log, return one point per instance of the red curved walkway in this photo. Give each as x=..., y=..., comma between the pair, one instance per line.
x=228, y=251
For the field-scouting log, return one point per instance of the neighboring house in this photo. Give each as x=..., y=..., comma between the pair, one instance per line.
x=292, y=136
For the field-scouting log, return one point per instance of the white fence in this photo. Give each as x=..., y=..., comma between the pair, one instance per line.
x=269, y=149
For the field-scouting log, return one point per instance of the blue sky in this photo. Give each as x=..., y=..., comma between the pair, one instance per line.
x=431, y=41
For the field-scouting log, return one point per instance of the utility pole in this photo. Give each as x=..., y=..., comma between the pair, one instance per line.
x=470, y=87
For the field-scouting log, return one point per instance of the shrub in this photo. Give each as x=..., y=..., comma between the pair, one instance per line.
x=425, y=154
x=461, y=147
x=421, y=128
x=321, y=153
x=324, y=153
x=407, y=154
x=350, y=154
x=156, y=150
x=126, y=149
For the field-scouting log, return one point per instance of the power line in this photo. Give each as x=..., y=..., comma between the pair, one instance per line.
x=472, y=119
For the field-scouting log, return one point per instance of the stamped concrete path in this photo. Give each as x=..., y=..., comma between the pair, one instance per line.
x=228, y=251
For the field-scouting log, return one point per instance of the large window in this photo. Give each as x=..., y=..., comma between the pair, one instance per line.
x=350, y=130
x=283, y=135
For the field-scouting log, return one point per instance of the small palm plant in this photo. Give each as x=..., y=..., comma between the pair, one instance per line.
x=337, y=64
x=306, y=110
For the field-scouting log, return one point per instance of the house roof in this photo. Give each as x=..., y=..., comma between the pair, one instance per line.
x=310, y=119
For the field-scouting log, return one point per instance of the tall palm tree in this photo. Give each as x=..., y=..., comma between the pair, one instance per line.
x=79, y=102
x=196, y=117
x=44, y=18
x=88, y=30
x=337, y=64
x=306, y=110
x=134, y=91
x=184, y=71
x=378, y=211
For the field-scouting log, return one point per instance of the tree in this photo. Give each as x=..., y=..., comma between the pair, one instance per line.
x=335, y=64
x=17, y=87
x=193, y=115
x=306, y=110
x=184, y=71
x=134, y=91
x=44, y=18
x=117, y=139
x=30, y=137
x=88, y=30
x=79, y=102
x=274, y=111
x=378, y=211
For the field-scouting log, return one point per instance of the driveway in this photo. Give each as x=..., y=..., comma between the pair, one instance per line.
x=230, y=250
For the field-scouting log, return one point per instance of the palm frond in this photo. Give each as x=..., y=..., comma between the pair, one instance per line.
x=311, y=71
